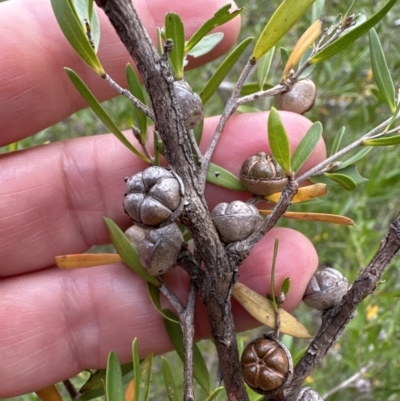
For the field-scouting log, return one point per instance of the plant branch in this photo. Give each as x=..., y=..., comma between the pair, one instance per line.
x=336, y=318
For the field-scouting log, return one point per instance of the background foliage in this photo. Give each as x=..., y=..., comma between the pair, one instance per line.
x=345, y=97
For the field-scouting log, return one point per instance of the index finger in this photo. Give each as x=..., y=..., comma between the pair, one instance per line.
x=35, y=92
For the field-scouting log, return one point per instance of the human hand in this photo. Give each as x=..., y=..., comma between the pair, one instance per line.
x=56, y=323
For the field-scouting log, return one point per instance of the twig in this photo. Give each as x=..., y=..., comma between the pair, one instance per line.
x=350, y=380
x=70, y=389
x=124, y=92
x=336, y=318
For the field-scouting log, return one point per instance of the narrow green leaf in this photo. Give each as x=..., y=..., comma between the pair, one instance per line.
x=279, y=141
x=284, y=55
x=316, y=9
x=337, y=141
x=264, y=66
x=221, y=17
x=281, y=21
x=348, y=178
x=174, y=30
x=72, y=29
x=84, y=12
x=355, y=158
x=135, y=87
x=381, y=71
x=206, y=44
x=285, y=287
x=145, y=378
x=250, y=88
x=310, y=68
x=172, y=391
x=385, y=141
x=200, y=370
x=114, y=385
x=136, y=367
x=154, y=293
x=352, y=36
x=127, y=251
x=100, y=112
x=223, y=178
x=306, y=146
x=222, y=71
x=215, y=393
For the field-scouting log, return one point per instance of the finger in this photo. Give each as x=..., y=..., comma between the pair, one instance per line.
x=36, y=93
x=70, y=320
x=55, y=196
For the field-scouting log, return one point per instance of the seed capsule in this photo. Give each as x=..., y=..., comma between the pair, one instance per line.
x=158, y=249
x=262, y=175
x=325, y=289
x=189, y=103
x=299, y=99
x=235, y=221
x=153, y=197
x=266, y=365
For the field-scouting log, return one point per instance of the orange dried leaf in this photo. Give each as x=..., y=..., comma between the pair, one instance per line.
x=303, y=194
x=49, y=393
x=86, y=260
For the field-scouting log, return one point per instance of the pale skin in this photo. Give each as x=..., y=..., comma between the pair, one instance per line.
x=56, y=323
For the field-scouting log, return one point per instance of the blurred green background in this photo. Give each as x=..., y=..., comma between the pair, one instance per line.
x=345, y=97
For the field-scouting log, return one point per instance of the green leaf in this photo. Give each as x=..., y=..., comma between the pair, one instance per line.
x=139, y=117
x=348, y=178
x=145, y=378
x=74, y=32
x=285, y=287
x=172, y=391
x=281, y=21
x=200, y=370
x=250, y=88
x=316, y=9
x=127, y=251
x=154, y=293
x=215, y=393
x=263, y=67
x=223, y=178
x=84, y=12
x=347, y=39
x=100, y=112
x=222, y=71
x=355, y=158
x=94, y=386
x=136, y=367
x=174, y=30
x=337, y=141
x=310, y=68
x=206, y=44
x=306, y=146
x=279, y=141
x=114, y=385
x=221, y=17
x=385, y=141
x=284, y=55
x=381, y=71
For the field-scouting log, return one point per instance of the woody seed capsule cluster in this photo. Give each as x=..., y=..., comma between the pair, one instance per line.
x=325, y=289
x=153, y=197
x=235, y=221
x=262, y=175
x=266, y=365
x=158, y=249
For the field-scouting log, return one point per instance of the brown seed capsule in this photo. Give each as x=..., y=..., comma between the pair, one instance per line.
x=189, y=103
x=266, y=365
x=262, y=175
x=153, y=197
x=299, y=99
x=158, y=249
x=235, y=221
x=325, y=289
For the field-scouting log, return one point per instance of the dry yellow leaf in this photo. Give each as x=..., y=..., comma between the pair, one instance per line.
x=321, y=217
x=303, y=194
x=263, y=310
x=49, y=393
x=86, y=260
